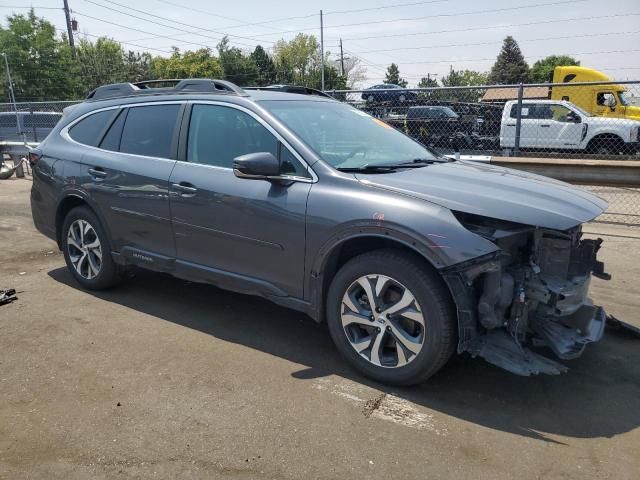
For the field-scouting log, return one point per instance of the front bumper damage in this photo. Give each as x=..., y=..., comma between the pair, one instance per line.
x=530, y=299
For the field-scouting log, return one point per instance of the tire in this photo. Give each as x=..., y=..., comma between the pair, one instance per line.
x=425, y=347
x=87, y=250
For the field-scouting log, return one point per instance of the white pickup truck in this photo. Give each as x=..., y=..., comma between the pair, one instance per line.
x=560, y=125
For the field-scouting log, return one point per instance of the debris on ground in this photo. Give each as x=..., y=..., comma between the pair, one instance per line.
x=624, y=327
x=7, y=296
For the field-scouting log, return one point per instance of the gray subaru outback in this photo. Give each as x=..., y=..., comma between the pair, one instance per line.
x=317, y=206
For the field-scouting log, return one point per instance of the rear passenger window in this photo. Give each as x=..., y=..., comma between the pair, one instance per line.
x=111, y=140
x=89, y=130
x=149, y=130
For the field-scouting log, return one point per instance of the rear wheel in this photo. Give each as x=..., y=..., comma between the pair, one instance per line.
x=390, y=317
x=87, y=251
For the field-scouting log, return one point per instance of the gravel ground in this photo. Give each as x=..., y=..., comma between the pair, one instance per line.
x=161, y=378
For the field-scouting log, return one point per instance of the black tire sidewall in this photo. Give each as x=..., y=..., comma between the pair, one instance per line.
x=108, y=274
x=433, y=303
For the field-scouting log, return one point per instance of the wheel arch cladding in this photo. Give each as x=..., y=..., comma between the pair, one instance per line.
x=68, y=203
x=330, y=260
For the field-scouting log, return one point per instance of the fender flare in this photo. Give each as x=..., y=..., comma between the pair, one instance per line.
x=404, y=237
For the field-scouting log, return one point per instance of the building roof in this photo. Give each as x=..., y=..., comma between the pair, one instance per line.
x=511, y=93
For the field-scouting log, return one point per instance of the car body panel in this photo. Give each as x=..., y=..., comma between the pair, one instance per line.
x=495, y=192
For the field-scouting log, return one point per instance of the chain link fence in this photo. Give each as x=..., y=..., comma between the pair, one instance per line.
x=588, y=121
x=591, y=121
x=581, y=120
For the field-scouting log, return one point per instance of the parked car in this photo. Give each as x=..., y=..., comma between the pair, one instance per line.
x=317, y=206
x=439, y=126
x=559, y=125
x=18, y=132
x=388, y=92
x=32, y=126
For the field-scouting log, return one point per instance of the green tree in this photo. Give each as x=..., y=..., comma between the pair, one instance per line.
x=100, y=62
x=542, y=70
x=41, y=64
x=238, y=67
x=190, y=64
x=463, y=78
x=510, y=66
x=138, y=66
x=427, y=82
x=298, y=60
x=265, y=65
x=393, y=76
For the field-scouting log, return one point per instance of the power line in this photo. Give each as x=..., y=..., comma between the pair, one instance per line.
x=214, y=14
x=217, y=39
x=138, y=30
x=440, y=15
x=200, y=29
x=458, y=60
x=30, y=7
x=491, y=27
x=449, y=45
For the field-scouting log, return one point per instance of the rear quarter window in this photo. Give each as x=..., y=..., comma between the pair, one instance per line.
x=89, y=130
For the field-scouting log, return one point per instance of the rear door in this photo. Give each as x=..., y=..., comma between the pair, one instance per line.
x=529, y=126
x=127, y=176
x=247, y=234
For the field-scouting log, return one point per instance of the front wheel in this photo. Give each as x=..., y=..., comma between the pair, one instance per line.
x=391, y=317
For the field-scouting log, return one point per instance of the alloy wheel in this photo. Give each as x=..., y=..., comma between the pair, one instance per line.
x=383, y=321
x=84, y=248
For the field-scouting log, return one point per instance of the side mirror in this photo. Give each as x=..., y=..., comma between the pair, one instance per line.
x=259, y=165
x=611, y=102
x=573, y=117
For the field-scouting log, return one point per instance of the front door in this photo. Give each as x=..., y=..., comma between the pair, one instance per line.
x=243, y=233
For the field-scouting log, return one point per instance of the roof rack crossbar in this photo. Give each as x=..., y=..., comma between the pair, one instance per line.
x=181, y=85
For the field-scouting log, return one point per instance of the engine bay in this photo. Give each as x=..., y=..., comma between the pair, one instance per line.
x=534, y=294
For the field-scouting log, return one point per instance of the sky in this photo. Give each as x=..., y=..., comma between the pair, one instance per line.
x=422, y=37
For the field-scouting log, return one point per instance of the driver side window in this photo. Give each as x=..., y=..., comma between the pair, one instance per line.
x=606, y=99
x=218, y=134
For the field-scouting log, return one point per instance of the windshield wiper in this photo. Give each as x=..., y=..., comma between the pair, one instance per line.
x=390, y=167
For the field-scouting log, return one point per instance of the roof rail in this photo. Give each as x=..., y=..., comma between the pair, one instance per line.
x=175, y=85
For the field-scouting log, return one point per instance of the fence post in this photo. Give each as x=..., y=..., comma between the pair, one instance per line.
x=516, y=146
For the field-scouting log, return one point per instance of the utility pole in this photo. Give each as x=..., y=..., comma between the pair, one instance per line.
x=12, y=97
x=321, y=51
x=69, y=28
x=341, y=59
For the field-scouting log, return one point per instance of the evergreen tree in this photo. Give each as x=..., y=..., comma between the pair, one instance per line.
x=393, y=76
x=266, y=67
x=510, y=66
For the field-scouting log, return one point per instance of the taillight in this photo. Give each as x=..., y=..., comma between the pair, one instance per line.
x=34, y=156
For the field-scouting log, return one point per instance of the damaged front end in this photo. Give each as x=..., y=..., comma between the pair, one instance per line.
x=531, y=293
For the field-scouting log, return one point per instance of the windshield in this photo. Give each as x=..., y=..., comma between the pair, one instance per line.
x=346, y=137
x=625, y=98
x=583, y=112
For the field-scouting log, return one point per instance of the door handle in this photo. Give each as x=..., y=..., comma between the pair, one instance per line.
x=511, y=125
x=97, y=172
x=546, y=125
x=184, y=188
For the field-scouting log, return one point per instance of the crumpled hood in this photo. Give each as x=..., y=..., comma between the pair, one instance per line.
x=494, y=192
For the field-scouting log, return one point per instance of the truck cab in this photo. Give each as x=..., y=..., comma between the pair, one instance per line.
x=600, y=100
